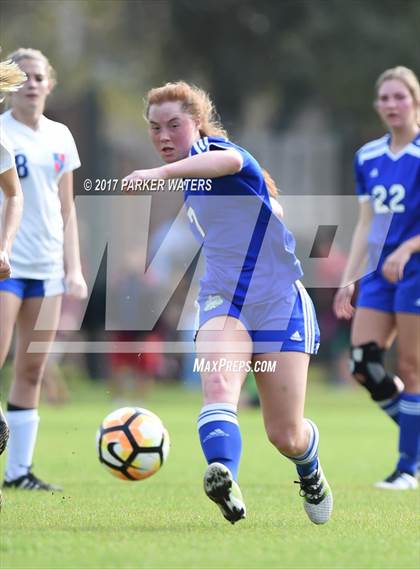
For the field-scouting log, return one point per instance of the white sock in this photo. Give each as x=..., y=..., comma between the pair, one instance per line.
x=23, y=427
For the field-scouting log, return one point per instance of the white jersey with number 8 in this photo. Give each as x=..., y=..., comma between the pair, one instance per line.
x=41, y=157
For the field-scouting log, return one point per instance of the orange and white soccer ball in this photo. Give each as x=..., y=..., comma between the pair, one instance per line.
x=132, y=443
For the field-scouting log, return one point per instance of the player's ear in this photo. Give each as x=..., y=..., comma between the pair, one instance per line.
x=52, y=81
x=51, y=85
x=375, y=104
x=198, y=123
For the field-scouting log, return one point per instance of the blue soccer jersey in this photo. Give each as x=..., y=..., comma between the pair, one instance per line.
x=392, y=184
x=249, y=252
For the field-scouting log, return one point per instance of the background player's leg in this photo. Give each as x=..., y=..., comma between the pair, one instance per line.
x=374, y=331
x=9, y=308
x=408, y=326
x=371, y=325
x=23, y=400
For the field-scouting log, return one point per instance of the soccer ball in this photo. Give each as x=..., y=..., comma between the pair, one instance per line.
x=132, y=443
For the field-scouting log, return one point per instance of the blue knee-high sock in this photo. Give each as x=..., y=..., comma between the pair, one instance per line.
x=392, y=408
x=220, y=436
x=307, y=462
x=409, y=444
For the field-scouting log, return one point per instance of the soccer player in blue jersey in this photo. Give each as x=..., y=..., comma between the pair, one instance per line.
x=388, y=303
x=252, y=307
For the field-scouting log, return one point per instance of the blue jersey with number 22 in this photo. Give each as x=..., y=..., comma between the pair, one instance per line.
x=392, y=184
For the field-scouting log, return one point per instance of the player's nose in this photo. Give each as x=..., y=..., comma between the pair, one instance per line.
x=31, y=83
x=164, y=135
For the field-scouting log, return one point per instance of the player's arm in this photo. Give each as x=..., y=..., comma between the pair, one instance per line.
x=212, y=164
x=393, y=267
x=75, y=283
x=356, y=262
x=11, y=216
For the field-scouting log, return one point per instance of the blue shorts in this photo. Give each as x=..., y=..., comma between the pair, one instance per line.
x=378, y=293
x=287, y=324
x=29, y=288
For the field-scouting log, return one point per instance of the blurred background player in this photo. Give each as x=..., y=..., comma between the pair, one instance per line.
x=11, y=78
x=333, y=353
x=133, y=374
x=388, y=303
x=251, y=305
x=45, y=259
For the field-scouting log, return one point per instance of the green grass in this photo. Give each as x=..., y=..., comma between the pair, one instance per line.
x=166, y=521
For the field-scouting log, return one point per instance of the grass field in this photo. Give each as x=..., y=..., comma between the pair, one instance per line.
x=167, y=522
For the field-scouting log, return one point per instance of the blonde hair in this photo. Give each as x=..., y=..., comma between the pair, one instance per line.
x=194, y=101
x=406, y=76
x=29, y=53
x=11, y=76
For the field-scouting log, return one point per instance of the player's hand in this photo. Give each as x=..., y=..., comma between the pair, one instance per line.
x=5, y=268
x=393, y=267
x=342, y=305
x=76, y=285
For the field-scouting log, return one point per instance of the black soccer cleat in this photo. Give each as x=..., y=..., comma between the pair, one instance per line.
x=222, y=489
x=317, y=496
x=31, y=482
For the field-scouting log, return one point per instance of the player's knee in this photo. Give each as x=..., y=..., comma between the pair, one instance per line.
x=286, y=441
x=366, y=365
x=216, y=387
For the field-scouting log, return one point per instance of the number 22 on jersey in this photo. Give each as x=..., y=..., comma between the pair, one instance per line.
x=396, y=195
